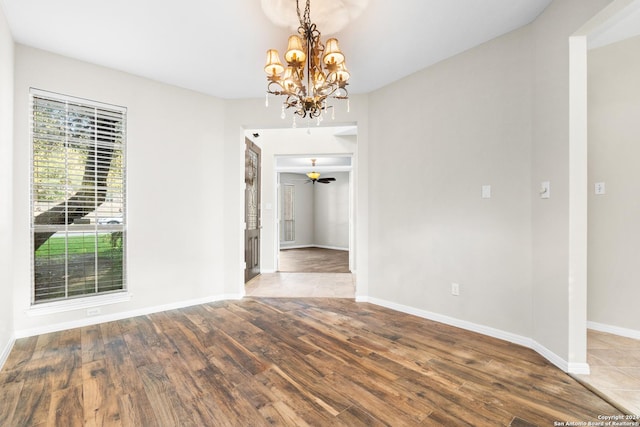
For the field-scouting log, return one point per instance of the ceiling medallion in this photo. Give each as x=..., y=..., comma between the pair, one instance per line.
x=315, y=72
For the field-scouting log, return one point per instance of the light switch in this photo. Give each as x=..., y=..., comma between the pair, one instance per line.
x=486, y=191
x=600, y=188
x=545, y=190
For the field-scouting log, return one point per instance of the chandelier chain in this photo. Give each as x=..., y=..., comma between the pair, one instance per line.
x=307, y=13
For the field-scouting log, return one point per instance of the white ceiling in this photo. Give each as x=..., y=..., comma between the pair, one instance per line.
x=218, y=47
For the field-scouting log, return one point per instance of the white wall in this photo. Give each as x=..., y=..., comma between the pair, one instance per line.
x=331, y=212
x=175, y=181
x=470, y=125
x=303, y=210
x=614, y=150
x=554, y=313
x=6, y=188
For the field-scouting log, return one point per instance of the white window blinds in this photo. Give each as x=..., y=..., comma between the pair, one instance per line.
x=78, y=197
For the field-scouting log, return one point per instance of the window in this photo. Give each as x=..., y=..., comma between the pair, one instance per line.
x=77, y=197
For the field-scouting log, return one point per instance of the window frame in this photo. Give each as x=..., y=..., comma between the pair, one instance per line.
x=71, y=302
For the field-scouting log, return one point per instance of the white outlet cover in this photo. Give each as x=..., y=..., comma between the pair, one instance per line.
x=455, y=289
x=486, y=191
x=599, y=188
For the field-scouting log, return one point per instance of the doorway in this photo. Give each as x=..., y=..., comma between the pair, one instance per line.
x=335, y=150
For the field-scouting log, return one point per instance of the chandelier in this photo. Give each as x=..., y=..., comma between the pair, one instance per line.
x=314, y=72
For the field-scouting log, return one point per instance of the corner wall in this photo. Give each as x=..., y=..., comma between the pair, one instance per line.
x=6, y=188
x=303, y=211
x=558, y=308
x=321, y=211
x=331, y=212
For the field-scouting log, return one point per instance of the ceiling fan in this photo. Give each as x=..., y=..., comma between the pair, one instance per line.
x=315, y=176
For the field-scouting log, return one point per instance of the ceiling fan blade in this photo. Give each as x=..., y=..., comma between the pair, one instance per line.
x=326, y=180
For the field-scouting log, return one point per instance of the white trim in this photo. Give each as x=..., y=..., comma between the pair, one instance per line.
x=122, y=315
x=284, y=247
x=267, y=271
x=576, y=368
x=335, y=248
x=4, y=355
x=485, y=330
x=45, y=308
x=76, y=100
x=549, y=355
x=616, y=330
x=579, y=369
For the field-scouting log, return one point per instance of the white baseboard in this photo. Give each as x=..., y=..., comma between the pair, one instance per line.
x=574, y=368
x=4, y=355
x=335, y=248
x=94, y=320
x=579, y=369
x=282, y=248
x=616, y=330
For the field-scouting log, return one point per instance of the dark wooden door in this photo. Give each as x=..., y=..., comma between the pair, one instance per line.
x=251, y=210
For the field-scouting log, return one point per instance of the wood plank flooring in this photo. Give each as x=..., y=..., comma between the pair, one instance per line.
x=288, y=362
x=313, y=260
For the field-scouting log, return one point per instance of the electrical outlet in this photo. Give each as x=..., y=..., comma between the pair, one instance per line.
x=455, y=289
x=93, y=311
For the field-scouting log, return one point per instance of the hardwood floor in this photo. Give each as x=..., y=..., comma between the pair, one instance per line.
x=313, y=260
x=276, y=361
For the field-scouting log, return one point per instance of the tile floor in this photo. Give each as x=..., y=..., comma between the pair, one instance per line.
x=615, y=368
x=300, y=285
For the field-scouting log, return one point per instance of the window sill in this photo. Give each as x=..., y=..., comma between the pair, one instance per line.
x=77, y=304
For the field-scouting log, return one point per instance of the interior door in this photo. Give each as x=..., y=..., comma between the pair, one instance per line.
x=251, y=210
